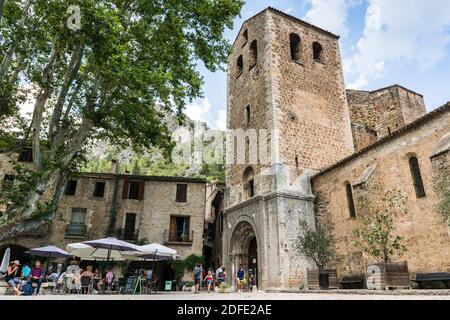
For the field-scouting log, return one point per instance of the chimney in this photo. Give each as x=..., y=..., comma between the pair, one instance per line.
x=114, y=166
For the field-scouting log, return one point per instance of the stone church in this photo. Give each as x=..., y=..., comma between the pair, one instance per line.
x=285, y=76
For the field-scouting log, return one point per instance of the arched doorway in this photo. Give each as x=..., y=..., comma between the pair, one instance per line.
x=244, y=250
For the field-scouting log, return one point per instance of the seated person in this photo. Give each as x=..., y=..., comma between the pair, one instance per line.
x=26, y=270
x=86, y=278
x=107, y=281
x=97, y=278
x=60, y=280
x=11, y=279
x=36, y=276
x=76, y=279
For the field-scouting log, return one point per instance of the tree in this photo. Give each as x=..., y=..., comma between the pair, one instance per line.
x=378, y=211
x=316, y=244
x=115, y=77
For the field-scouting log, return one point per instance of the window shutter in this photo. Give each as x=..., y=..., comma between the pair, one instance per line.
x=181, y=195
x=141, y=190
x=126, y=187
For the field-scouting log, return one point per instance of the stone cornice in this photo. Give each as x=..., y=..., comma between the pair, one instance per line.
x=269, y=196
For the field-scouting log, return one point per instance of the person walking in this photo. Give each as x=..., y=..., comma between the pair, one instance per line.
x=197, y=277
x=209, y=280
x=240, y=278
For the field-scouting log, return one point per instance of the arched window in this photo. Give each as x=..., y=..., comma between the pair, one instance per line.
x=317, y=52
x=351, y=203
x=294, y=40
x=417, y=177
x=249, y=183
x=253, y=54
x=239, y=65
x=247, y=114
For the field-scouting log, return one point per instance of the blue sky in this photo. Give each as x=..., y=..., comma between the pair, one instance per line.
x=383, y=42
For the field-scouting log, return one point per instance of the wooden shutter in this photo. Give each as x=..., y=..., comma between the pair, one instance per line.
x=141, y=190
x=126, y=187
x=173, y=229
x=181, y=193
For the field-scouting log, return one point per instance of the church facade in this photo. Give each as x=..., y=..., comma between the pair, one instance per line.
x=285, y=80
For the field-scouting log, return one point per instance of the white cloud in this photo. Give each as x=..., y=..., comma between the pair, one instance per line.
x=198, y=110
x=414, y=32
x=221, y=121
x=330, y=15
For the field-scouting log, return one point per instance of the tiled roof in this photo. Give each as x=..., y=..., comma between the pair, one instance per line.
x=142, y=177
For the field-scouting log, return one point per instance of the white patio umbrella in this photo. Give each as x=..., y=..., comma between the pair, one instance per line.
x=5, y=261
x=111, y=246
x=156, y=251
x=87, y=252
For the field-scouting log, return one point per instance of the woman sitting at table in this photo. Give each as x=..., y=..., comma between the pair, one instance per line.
x=107, y=281
x=86, y=278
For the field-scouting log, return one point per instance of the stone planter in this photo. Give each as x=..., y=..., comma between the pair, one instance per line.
x=388, y=275
x=322, y=279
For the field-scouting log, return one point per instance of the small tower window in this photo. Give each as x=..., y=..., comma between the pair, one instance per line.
x=239, y=65
x=247, y=114
x=296, y=162
x=245, y=35
x=350, y=201
x=253, y=54
x=317, y=51
x=249, y=183
x=294, y=40
x=417, y=177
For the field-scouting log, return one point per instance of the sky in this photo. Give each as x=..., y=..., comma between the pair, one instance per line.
x=383, y=42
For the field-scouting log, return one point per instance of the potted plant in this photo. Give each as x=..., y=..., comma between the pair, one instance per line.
x=319, y=245
x=379, y=208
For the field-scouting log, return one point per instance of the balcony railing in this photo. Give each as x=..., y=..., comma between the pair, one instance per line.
x=170, y=237
x=126, y=235
x=76, y=230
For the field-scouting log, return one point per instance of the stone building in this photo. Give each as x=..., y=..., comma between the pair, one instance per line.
x=167, y=210
x=285, y=76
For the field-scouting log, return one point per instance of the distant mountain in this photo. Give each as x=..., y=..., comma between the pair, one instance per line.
x=152, y=162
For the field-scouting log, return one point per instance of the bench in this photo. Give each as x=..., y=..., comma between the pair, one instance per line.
x=352, y=282
x=432, y=280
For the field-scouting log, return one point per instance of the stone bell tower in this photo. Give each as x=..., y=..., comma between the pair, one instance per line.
x=286, y=99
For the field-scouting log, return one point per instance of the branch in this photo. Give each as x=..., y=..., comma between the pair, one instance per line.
x=72, y=69
x=39, y=106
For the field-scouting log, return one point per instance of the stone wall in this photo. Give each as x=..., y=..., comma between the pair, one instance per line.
x=377, y=114
x=152, y=213
x=426, y=238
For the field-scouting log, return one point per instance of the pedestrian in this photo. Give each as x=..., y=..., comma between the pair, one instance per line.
x=197, y=277
x=209, y=280
x=219, y=272
x=240, y=278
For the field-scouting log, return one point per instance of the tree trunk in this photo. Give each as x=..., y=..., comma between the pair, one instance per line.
x=27, y=225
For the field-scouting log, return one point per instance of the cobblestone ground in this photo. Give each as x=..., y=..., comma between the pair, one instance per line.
x=361, y=295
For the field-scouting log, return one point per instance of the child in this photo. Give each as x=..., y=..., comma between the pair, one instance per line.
x=209, y=280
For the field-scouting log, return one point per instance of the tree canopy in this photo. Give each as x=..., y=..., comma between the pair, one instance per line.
x=112, y=72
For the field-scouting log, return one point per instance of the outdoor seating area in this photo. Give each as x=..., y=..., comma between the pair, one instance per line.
x=90, y=269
